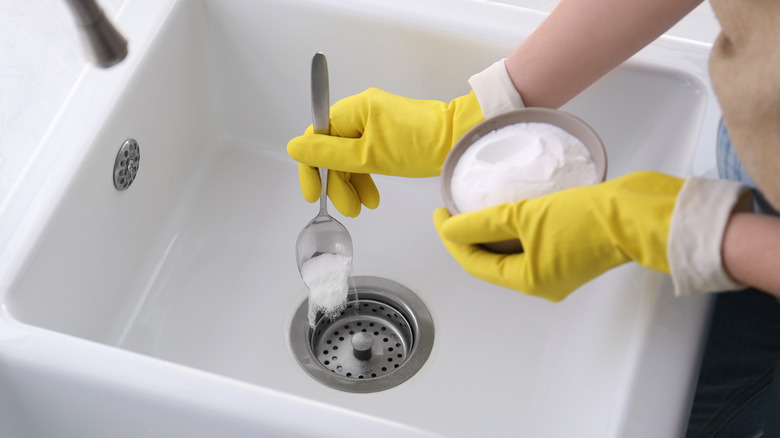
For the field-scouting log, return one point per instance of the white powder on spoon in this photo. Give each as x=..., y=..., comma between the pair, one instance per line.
x=326, y=276
x=520, y=161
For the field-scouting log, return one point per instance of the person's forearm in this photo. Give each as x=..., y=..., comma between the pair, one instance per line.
x=751, y=251
x=582, y=40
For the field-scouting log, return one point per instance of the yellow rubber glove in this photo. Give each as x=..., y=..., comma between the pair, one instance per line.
x=568, y=237
x=383, y=133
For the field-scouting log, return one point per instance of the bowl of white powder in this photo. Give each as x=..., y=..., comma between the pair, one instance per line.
x=520, y=155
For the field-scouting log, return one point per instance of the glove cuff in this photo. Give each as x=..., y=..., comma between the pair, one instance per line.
x=701, y=213
x=495, y=91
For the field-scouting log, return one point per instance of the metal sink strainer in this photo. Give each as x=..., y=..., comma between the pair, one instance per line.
x=381, y=339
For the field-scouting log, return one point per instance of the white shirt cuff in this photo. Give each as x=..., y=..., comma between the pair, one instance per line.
x=701, y=213
x=495, y=91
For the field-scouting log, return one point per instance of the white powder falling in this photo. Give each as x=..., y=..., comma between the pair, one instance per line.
x=326, y=276
x=520, y=161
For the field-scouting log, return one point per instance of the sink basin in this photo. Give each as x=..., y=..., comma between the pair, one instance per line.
x=164, y=310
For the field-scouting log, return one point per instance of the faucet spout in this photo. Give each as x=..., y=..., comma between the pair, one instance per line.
x=105, y=44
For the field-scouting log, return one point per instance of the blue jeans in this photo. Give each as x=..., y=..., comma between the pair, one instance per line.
x=738, y=391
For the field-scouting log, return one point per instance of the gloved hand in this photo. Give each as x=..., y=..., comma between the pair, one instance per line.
x=379, y=132
x=572, y=236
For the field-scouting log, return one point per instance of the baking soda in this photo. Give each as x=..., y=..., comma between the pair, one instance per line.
x=520, y=161
x=326, y=276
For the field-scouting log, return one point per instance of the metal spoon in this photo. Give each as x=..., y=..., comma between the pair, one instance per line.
x=323, y=234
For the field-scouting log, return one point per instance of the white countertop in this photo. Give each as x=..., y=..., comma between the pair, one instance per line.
x=41, y=58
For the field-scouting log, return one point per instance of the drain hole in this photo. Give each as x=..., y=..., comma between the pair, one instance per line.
x=383, y=327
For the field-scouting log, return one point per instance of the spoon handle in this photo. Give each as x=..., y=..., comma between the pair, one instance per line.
x=324, y=195
x=320, y=94
x=320, y=107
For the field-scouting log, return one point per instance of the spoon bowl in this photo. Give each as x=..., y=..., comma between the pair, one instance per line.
x=323, y=234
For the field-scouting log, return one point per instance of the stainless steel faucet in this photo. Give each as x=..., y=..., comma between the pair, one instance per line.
x=105, y=44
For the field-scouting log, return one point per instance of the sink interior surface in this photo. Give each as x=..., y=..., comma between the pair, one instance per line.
x=194, y=263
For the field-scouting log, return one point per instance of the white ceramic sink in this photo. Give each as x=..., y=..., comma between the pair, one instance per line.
x=164, y=310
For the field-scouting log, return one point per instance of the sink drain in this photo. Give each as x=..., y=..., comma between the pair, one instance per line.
x=381, y=339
